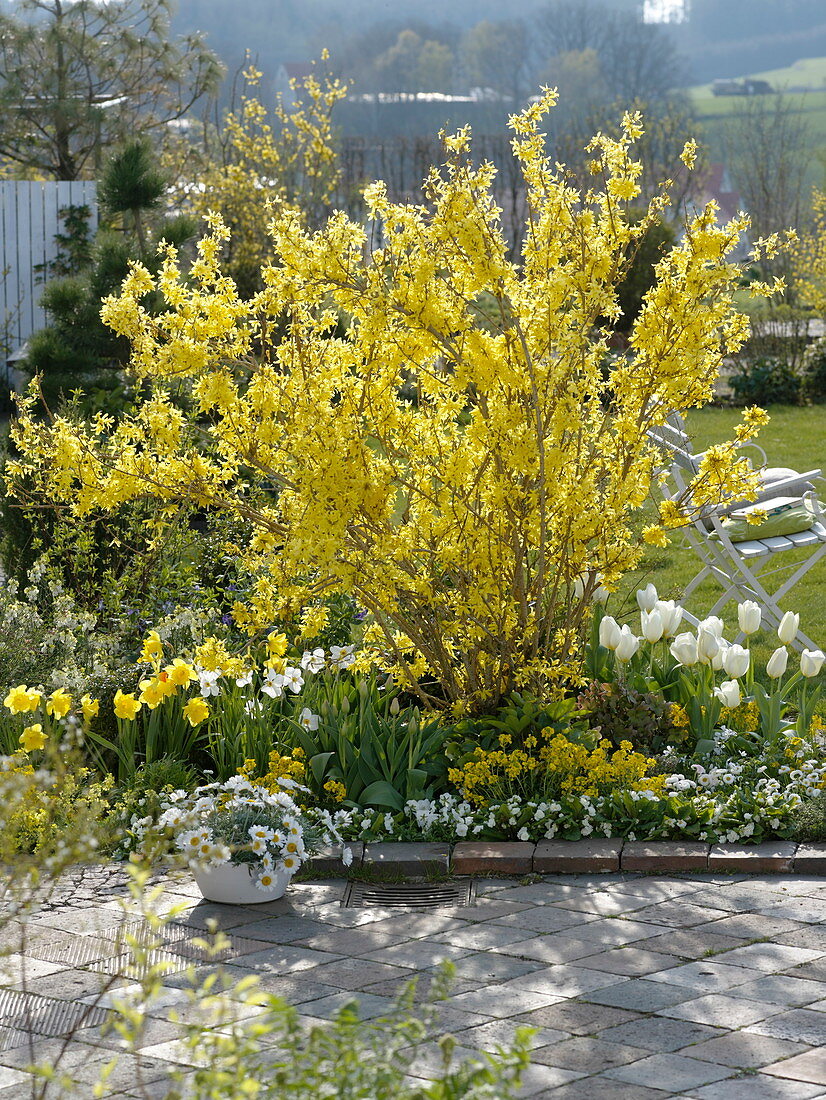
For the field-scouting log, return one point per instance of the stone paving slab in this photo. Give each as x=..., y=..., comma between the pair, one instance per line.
x=705, y=986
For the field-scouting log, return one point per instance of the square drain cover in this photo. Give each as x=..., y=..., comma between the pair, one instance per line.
x=409, y=895
x=22, y=1014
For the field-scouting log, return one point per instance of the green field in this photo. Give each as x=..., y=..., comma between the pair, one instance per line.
x=804, y=82
x=794, y=437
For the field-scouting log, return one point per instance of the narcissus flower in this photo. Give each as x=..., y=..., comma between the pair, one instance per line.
x=20, y=699
x=196, y=710
x=90, y=707
x=59, y=703
x=152, y=648
x=126, y=705
x=33, y=738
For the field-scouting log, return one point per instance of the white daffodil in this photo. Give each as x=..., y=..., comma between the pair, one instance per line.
x=312, y=660
x=308, y=720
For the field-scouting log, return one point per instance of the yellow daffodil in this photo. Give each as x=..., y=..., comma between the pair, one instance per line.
x=152, y=692
x=33, y=738
x=59, y=703
x=20, y=699
x=180, y=673
x=126, y=705
x=152, y=648
x=196, y=710
x=90, y=707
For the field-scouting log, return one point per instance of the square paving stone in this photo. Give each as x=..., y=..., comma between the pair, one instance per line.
x=634, y=961
x=709, y=977
x=677, y=1070
x=564, y=981
x=542, y=1080
x=484, y=966
x=286, y=929
x=604, y=1088
x=546, y=919
x=681, y=913
x=503, y=1003
x=779, y=989
x=557, y=947
x=285, y=960
x=694, y=943
x=745, y=1050
x=369, y=1006
x=480, y=937
x=800, y=1025
x=751, y=926
x=716, y=1008
x=357, y=973
x=772, y=957
x=641, y=995
x=495, y=1033
x=577, y=1017
x=814, y=971
x=809, y=1066
x=588, y=1055
x=804, y=910
x=417, y=955
x=758, y=1087
x=611, y=932
x=660, y=1033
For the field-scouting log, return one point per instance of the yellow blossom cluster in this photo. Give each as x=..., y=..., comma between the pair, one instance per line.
x=556, y=768
x=290, y=766
x=458, y=470
x=809, y=258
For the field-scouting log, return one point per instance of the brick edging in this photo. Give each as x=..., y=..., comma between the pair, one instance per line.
x=576, y=857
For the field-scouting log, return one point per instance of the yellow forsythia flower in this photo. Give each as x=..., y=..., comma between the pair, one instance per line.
x=126, y=705
x=33, y=738
x=196, y=710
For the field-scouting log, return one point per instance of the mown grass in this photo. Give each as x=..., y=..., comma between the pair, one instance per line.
x=794, y=437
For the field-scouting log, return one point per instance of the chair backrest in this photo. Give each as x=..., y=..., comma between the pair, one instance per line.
x=672, y=439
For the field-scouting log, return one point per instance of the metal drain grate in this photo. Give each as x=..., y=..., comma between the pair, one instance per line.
x=409, y=895
x=23, y=1014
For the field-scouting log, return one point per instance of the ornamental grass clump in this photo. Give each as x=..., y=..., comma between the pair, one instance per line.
x=475, y=520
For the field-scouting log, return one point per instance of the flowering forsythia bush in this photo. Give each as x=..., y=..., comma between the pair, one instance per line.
x=474, y=520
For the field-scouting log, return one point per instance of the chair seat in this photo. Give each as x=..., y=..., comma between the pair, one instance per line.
x=756, y=548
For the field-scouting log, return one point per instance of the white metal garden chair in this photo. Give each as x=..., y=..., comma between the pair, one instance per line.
x=742, y=567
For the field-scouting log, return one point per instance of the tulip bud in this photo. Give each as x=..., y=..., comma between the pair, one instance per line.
x=684, y=649
x=646, y=598
x=777, y=663
x=652, y=625
x=728, y=693
x=713, y=624
x=787, y=631
x=671, y=614
x=708, y=644
x=394, y=707
x=345, y=705
x=749, y=616
x=811, y=661
x=609, y=632
x=628, y=644
x=736, y=661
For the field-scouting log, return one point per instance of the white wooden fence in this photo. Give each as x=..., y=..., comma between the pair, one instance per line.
x=29, y=220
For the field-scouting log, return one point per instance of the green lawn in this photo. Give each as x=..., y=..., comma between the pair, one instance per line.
x=794, y=437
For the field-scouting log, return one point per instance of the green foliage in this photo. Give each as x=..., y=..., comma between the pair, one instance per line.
x=814, y=372
x=809, y=820
x=383, y=755
x=519, y=717
x=640, y=277
x=621, y=713
x=766, y=381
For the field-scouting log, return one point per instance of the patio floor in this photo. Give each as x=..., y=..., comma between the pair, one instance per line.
x=640, y=987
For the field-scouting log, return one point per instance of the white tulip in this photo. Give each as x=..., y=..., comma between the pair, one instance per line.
x=600, y=594
x=579, y=587
x=708, y=644
x=787, y=631
x=736, y=661
x=647, y=597
x=684, y=649
x=628, y=644
x=671, y=614
x=777, y=663
x=712, y=624
x=749, y=616
x=609, y=632
x=718, y=660
x=811, y=661
x=652, y=625
x=728, y=693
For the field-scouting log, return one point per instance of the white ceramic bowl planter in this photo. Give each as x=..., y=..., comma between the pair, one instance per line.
x=235, y=883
